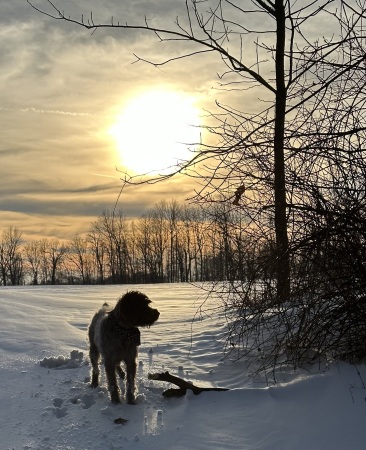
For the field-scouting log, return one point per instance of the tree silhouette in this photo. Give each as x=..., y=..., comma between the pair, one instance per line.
x=292, y=165
x=292, y=72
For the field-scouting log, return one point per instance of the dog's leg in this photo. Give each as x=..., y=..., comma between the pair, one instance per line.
x=131, y=380
x=94, y=358
x=120, y=372
x=110, y=370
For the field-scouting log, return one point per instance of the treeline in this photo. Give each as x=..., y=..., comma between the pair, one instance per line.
x=169, y=243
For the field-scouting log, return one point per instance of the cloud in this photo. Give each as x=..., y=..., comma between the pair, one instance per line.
x=32, y=109
x=61, y=87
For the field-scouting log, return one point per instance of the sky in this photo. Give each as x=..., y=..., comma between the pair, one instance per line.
x=63, y=92
x=78, y=109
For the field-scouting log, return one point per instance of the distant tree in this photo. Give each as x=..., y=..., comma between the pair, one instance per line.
x=33, y=256
x=45, y=267
x=11, y=264
x=282, y=162
x=110, y=240
x=160, y=240
x=99, y=252
x=198, y=227
x=188, y=246
x=144, y=243
x=170, y=214
x=54, y=253
x=267, y=48
x=79, y=255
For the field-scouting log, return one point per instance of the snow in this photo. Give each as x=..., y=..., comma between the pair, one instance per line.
x=46, y=401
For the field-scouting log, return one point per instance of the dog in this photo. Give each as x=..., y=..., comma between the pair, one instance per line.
x=114, y=334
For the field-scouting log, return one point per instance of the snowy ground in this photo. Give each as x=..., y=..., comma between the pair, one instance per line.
x=46, y=403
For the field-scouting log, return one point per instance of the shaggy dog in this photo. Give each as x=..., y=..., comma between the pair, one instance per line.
x=114, y=334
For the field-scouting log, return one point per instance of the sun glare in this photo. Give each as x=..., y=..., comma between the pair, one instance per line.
x=156, y=130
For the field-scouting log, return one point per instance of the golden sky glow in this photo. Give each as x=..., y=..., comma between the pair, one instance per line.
x=63, y=90
x=75, y=106
x=156, y=130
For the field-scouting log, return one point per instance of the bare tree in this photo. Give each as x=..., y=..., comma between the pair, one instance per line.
x=79, y=256
x=146, y=246
x=170, y=214
x=53, y=254
x=198, y=227
x=188, y=248
x=110, y=240
x=160, y=240
x=288, y=68
x=293, y=166
x=33, y=256
x=11, y=265
x=98, y=249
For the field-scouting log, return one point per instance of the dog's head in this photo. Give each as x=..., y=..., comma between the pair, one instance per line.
x=133, y=310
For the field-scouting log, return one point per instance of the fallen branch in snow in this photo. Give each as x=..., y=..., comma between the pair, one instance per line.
x=182, y=384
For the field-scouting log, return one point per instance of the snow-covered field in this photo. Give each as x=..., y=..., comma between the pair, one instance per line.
x=46, y=402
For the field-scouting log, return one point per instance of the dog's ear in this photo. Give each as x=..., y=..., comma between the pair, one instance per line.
x=127, y=306
x=120, y=310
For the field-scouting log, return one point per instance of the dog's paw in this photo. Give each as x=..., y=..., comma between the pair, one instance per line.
x=131, y=399
x=115, y=398
x=95, y=380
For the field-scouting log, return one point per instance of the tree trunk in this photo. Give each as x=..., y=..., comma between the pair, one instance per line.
x=282, y=250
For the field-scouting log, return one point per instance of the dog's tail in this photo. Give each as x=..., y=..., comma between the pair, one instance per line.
x=104, y=309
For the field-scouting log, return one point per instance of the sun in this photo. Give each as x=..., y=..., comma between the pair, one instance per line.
x=156, y=130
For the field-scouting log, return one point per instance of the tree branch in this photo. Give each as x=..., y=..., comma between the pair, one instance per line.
x=211, y=44
x=182, y=384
